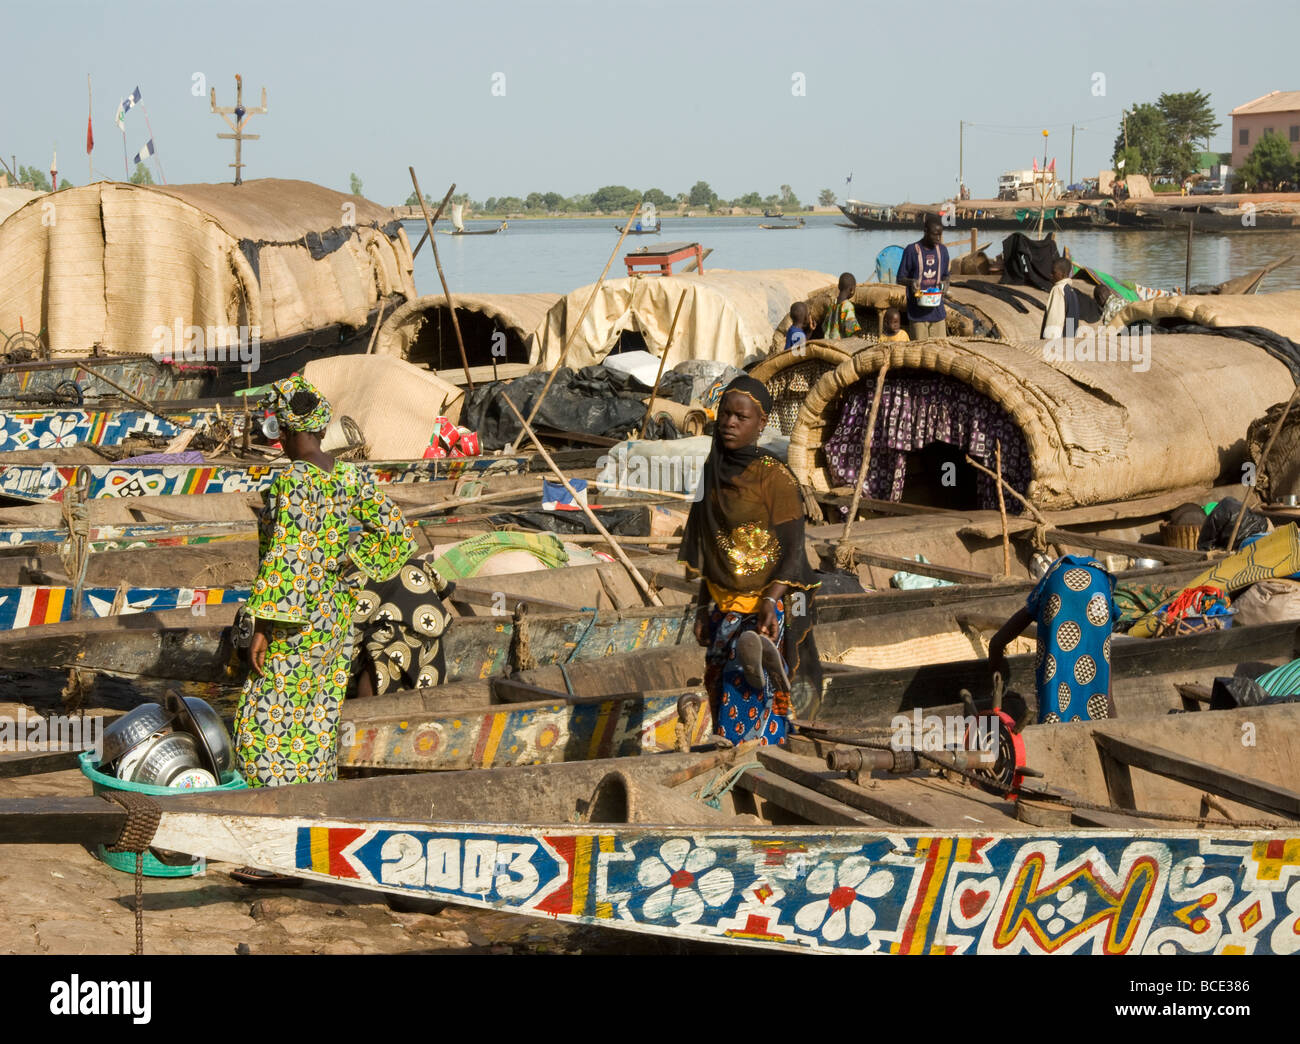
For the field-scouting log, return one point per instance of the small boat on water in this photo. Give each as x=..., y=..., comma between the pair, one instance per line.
x=778, y=228
x=646, y=224
x=1153, y=835
x=459, y=229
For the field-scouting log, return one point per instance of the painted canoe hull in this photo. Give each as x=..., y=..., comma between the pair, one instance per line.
x=807, y=889
x=56, y=429
x=37, y=605
x=41, y=482
x=143, y=376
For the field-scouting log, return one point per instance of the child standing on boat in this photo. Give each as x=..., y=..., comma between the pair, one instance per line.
x=798, y=332
x=842, y=320
x=892, y=322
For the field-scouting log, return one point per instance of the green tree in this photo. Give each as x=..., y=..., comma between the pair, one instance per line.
x=826, y=198
x=141, y=175
x=414, y=201
x=788, y=198
x=615, y=198
x=355, y=182
x=553, y=201
x=1269, y=164
x=701, y=195
x=1189, y=122
x=34, y=176
x=1148, y=141
x=658, y=197
x=750, y=199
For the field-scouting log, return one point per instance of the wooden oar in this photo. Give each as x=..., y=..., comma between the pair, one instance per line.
x=619, y=553
x=842, y=555
x=433, y=245
x=1263, y=459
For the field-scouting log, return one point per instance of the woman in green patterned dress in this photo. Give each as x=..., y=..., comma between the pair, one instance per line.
x=286, y=727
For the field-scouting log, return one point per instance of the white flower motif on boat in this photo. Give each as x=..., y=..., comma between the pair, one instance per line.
x=845, y=884
x=62, y=431
x=683, y=882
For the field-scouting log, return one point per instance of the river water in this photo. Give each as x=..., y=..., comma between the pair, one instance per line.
x=559, y=255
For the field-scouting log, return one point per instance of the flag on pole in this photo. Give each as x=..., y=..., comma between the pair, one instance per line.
x=1035, y=164
x=1052, y=166
x=128, y=103
x=849, y=179
x=90, y=136
x=54, y=171
x=145, y=152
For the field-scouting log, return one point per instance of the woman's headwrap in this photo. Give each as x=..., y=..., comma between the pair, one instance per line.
x=755, y=389
x=281, y=392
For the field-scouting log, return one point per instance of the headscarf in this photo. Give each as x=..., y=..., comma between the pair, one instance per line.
x=746, y=529
x=278, y=400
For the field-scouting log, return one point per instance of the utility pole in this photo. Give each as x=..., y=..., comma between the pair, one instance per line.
x=961, y=155
x=241, y=115
x=1072, y=154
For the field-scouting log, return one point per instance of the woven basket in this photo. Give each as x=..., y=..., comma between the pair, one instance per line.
x=790, y=375
x=1179, y=536
x=821, y=408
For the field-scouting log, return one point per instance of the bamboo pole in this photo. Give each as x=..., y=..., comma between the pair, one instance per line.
x=573, y=330
x=1002, y=513
x=1004, y=484
x=672, y=330
x=1263, y=459
x=374, y=334
x=433, y=245
x=843, y=552
x=619, y=553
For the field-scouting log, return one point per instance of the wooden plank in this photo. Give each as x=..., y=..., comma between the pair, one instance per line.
x=1201, y=775
x=905, y=801
x=812, y=773
x=939, y=572
x=61, y=821
x=805, y=803
x=1125, y=547
x=499, y=599
x=30, y=763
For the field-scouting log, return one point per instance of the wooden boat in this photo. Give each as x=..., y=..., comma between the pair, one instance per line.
x=69, y=382
x=458, y=225
x=647, y=223
x=1099, y=851
x=40, y=482
x=777, y=228
x=36, y=605
x=57, y=428
x=872, y=216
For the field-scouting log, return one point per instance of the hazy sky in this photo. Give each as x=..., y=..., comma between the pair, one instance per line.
x=653, y=94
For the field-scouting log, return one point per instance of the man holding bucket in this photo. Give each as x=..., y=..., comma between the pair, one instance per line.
x=923, y=270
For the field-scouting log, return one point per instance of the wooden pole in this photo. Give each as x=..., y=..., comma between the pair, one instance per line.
x=1004, y=484
x=1263, y=459
x=672, y=330
x=1187, y=273
x=433, y=245
x=374, y=334
x=843, y=552
x=573, y=330
x=1002, y=513
x=619, y=553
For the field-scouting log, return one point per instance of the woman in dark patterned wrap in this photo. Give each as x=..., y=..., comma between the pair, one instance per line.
x=745, y=538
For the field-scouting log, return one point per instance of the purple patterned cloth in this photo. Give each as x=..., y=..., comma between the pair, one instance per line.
x=917, y=409
x=188, y=457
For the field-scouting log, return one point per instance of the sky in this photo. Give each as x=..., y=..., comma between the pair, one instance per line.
x=567, y=96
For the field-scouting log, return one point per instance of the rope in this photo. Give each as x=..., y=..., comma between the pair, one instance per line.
x=721, y=783
x=583, y=637
x=142, y=818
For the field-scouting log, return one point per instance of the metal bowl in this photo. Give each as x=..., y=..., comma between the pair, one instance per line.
x=167, y=757
x=196, y=718
x=132, y=729
x=1146, y=563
